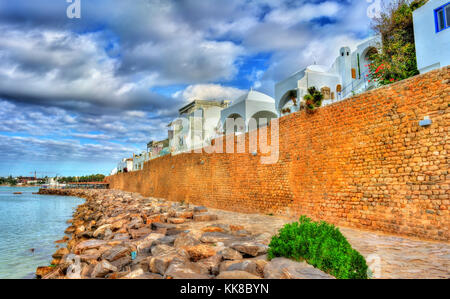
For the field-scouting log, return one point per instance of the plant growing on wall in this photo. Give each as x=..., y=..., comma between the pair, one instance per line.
x=397, y=58
x=313, y=99
x=321, y=245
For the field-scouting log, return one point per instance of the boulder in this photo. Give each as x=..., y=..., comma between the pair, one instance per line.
x=281, y=267
x=205, y=217
x=245, y=265
x=102, y=268
x=161, y=249
x=42, y=271
x=160, y=263
x=200, y=251
x=60, y=253
x=141, y=232
x=143, y=245
x=250, y=248
x=211, y=264
x=184, y=214
x=200, y=209
x=167, y=240
x=186, y=270
x=236, y=275
x=176, y=220
x=214, y=237
x=230, y=254
x=185, y=240
x=101, y=230
x=115, y=253
x=89, y=244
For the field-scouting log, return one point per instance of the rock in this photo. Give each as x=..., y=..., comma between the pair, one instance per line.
x=134, y=274
x=211, y=264
x=184, y=214
x=161, y=249
x=185, y=240
x=200, y=209
x=167, y=240
x=198, y=252
x=60, y=253
x=139, y=233
x=159, y=225
x=86, y=270
x=122, y=236
x=176, y=220
x=241, y=233
x=116, y=253
x=160, y=263
x=42, y=271
x=90, y=244
x=230, y=254
x=205, y=217
x=143, y=245
x=281, y=267
x=246, y=265
x=234, y=228
x=236, y=275
x=185, y=270
x=74, y=271
x=213, y=229
x=149, y=276
x=250, y=248
x=101, y=230
x=70, y=230
x=102, y=268
x=214, y=237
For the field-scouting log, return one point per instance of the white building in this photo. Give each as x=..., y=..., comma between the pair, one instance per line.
x=125, y=165
x=113, y=172
x=432, y=35
x=139, y=160
x=196, y=125
x=253, y=104
x=344, y=78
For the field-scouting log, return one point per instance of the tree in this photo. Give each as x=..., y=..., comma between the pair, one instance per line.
x=397, y=59
x=313, y=99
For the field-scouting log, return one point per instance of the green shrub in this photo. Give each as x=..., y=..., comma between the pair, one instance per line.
x=321, y=245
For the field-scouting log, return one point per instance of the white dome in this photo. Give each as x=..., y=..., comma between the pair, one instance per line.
x=254, y=96
x=317, y=68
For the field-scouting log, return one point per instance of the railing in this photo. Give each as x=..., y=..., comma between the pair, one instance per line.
x=355, y=86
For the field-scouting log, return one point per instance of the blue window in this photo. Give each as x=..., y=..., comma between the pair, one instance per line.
x=442, y=17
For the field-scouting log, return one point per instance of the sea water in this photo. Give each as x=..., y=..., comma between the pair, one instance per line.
x=31, y=221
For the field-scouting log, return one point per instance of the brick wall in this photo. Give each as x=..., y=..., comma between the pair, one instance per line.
x=364, y=162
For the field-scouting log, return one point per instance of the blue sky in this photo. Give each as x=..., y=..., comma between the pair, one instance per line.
x=77, y=95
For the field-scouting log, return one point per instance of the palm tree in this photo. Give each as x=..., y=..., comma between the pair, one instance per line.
x=313, y=99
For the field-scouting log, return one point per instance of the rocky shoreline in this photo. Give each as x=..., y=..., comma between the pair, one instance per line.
x=117, y=234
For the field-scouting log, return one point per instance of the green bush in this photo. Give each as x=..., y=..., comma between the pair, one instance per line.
x=321, y=245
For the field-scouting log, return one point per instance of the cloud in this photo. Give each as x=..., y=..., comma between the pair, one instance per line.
x=96, y=83
x=208, y=92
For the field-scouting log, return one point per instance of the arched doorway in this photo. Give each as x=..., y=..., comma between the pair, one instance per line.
x=236, y=122
x=262, y=118
x=288, y=102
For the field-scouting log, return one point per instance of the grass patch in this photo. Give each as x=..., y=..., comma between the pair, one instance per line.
x=321, y=245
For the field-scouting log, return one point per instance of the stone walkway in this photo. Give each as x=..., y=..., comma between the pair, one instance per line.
x=388, y=256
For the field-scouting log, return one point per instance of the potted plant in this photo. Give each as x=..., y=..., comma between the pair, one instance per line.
x=313, y=99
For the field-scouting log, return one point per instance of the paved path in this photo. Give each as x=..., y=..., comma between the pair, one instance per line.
x=388, y=256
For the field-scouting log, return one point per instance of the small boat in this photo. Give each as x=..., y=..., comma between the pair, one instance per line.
x=17, y=193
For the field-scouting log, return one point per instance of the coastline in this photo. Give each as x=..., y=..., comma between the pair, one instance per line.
x=117, y=234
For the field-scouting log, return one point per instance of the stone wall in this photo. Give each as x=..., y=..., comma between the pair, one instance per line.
x=364, y=162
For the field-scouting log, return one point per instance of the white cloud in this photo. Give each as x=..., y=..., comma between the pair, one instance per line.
x=208, y=92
